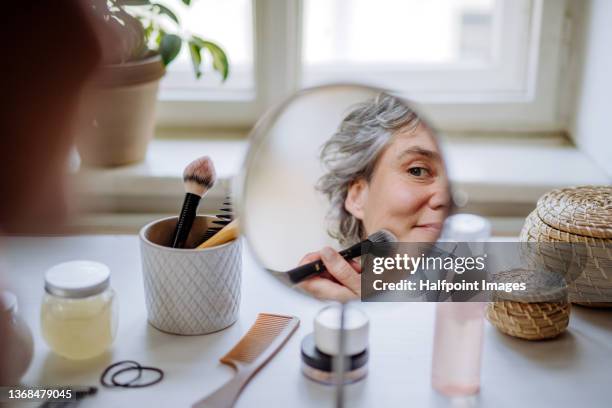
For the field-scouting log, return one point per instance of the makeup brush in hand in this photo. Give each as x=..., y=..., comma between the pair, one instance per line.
x=198, y=178
x=305, y=271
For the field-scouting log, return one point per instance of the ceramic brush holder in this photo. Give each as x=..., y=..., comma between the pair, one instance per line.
x=189, y=291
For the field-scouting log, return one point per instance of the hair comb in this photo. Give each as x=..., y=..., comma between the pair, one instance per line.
x=225, y=216
x=263, y=340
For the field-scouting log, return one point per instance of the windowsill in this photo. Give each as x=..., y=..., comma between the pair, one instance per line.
x=162, y=170
x=500, y=178
x=153, y=188
x=517, y=170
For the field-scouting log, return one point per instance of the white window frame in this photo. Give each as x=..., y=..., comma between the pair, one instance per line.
x=504, y=99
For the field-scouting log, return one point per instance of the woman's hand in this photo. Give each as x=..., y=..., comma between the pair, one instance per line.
x=341, y=281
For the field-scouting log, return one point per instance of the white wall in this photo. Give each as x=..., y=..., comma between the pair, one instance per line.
x=591, y=121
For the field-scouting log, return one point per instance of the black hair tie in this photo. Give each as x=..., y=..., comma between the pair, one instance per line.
x=134, y=364
x=130, y=384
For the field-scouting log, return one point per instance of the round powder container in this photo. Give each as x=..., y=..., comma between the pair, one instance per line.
x=327, y=330
x=318, y=366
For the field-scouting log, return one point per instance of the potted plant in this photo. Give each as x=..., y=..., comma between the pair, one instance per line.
x=121, y=121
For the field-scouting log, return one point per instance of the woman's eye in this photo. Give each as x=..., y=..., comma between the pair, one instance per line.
x=418, y=171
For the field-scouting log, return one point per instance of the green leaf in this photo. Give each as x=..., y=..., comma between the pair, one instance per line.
x=220, y=62
x=169, y=47
x=187, y=2
x=161, y=9
x=196, y=58
x=148, y=32
x=133, y=2
x=158, y=37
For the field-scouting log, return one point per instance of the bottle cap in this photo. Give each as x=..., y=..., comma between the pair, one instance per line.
x=466, y=228
x=327, y=330
x=77, y=279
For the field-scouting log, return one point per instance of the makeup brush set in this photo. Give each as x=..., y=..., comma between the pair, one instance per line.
x=198, y=178
x=192, y=264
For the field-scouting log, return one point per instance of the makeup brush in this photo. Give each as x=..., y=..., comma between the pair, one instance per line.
x=305, y=271
x=198, y=178
x=227, y=234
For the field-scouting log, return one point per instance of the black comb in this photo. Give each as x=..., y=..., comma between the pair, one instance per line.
x=225, y=216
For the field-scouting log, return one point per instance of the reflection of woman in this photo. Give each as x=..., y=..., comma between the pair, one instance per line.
x=385, y=170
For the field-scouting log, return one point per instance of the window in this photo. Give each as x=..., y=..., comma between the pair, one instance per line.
x=229, y=22
x=416, y=47
x=469, y=64
x=400, y=34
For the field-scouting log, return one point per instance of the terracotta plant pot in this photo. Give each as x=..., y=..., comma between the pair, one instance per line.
x=118, y=128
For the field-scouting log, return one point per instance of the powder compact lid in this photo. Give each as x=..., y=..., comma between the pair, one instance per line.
x=77, y=279
x=327, y=330
x=314, y=358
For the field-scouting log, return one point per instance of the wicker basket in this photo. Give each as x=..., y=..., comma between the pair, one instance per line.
x=579, y=215
x=530, y=321
x=540, y=312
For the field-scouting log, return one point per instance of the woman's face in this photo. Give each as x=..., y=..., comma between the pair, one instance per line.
x=408, y=193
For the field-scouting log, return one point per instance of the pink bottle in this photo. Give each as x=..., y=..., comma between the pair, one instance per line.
x=458, y=333
x=457, y=348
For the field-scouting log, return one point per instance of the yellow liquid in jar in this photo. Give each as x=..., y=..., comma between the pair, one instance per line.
x=79, y=328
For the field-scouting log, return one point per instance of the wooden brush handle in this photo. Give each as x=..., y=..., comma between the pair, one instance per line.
x=227, y=233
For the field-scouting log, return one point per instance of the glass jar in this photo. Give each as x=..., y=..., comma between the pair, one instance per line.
x=79, y=310
x=19, y=344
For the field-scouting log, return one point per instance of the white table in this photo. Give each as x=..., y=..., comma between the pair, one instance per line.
x=573, y=370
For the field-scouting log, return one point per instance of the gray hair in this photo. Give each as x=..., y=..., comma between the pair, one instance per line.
x=352, y=153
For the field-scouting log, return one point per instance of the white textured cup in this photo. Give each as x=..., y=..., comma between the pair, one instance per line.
x=189, y=291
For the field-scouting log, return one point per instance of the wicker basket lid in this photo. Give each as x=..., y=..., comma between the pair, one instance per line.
x=584, y=210
x=541, y=286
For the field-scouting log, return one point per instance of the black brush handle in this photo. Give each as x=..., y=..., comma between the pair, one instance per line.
x=185, y=220
x=296, y=275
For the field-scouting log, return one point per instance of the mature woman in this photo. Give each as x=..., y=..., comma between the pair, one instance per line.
x=384, y=170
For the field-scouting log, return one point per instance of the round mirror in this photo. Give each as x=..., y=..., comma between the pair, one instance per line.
x=331, y=166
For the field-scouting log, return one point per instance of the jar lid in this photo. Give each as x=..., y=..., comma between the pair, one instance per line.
x=8, y=302
x=327, y=330
x=77, y=279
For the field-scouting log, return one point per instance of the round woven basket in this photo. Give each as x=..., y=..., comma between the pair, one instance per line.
x=580, y=215
x=540, y=312
x=530, y=321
